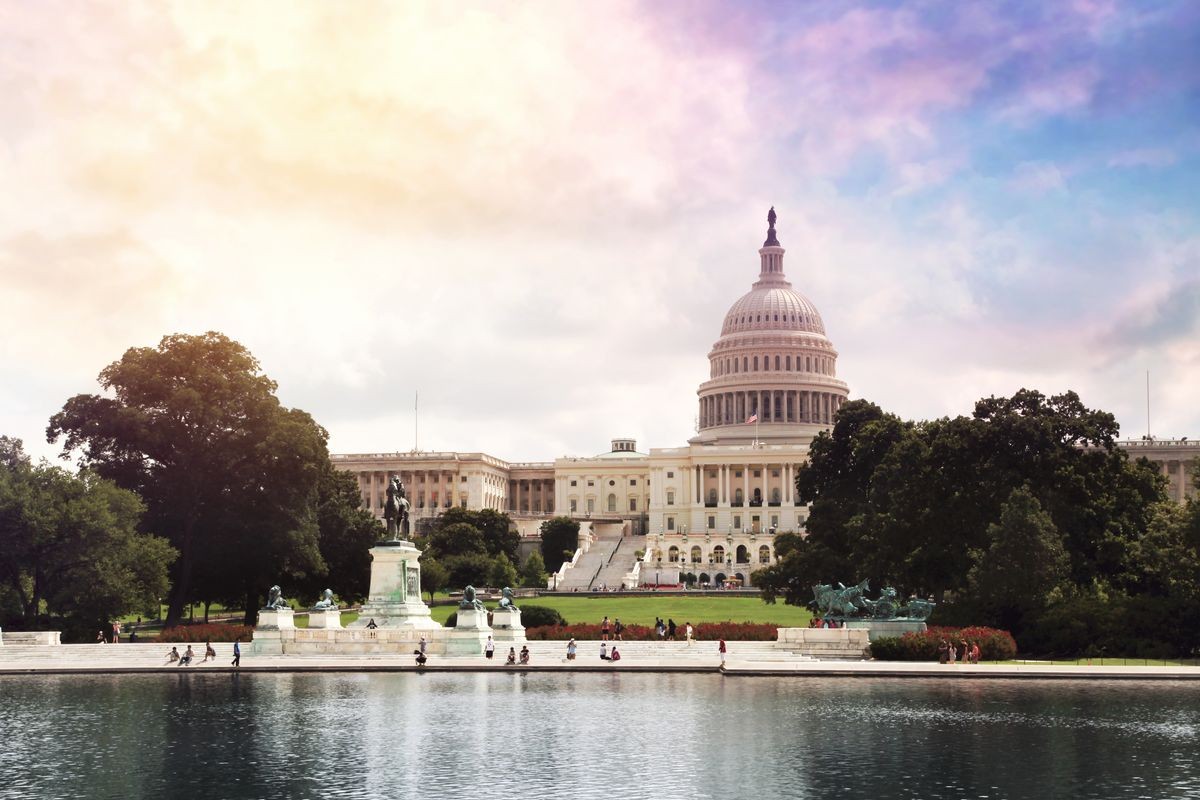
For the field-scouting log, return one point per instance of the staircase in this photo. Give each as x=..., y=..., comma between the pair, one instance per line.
x=619, y=563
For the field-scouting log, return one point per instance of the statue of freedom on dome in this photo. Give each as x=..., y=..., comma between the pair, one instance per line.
x=771, y=240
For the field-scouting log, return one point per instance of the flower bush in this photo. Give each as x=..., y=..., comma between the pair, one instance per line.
x=994, y=645
x=729, y=631
x=212, y=632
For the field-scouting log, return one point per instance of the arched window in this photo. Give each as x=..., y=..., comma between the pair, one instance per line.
x=738, y=498
x=718, y=554
x=764, y=555
x=756, y=363
x=808, y=363
x=776, y=363
x=745, y=362
x=673, y=554
x=612, y=502
x=712, y=496
x=766, y=363
x=743, y=555
x=757, y=497
x=696, y=555
x=775, y=495
x=789, y=363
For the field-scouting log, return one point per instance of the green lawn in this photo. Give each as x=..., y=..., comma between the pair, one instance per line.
x=643, y=610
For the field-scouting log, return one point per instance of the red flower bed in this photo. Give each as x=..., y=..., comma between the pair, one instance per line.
x=994, y=645
x=212, y=632
x=729, y=631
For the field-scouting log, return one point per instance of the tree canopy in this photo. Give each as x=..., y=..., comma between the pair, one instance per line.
x=560, y=538
x=476, y=548
x=71, y=548
x=231, y=477
x=933, y=508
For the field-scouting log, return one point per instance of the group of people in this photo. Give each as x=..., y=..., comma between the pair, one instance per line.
x=513, y=658
x=617, y=628
x=817, y=622
x=189, y=655
x=666, y=630
x=965, y=651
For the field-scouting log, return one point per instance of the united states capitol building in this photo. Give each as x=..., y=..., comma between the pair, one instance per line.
x=711, y=507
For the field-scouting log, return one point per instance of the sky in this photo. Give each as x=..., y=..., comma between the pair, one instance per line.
x=536, y=214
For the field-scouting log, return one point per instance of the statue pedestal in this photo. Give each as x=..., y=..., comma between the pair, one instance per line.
x=394, y=600
x=272, y=619
x=470, y=634
x=881, y=628
x=506, y=625
x=325, y=618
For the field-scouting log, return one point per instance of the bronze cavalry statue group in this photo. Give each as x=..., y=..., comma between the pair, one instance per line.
x=850, y=602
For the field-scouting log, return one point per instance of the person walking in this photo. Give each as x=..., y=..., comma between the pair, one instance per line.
x=688, y=629
x=489, y=649
x=618, y=628
x=604, y=629
x=423, y=644
x=116, y=632
x=721, y=650
x=671, y=629
x=660, y=628
x=237, y=653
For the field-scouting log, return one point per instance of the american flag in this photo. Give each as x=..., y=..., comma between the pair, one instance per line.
x=752, y=418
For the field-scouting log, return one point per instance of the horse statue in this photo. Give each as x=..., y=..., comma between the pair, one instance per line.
x=275, y=601
x=326, y=602
x=395, y=511
x=844, y=601
x=506, y=601
x=469, y=601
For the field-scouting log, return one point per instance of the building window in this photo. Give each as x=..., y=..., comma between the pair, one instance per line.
x=788, y=362
x=670, y=498
x=745, y=362
x=574, y=505
x=764, y=555
x=633, y=481
x=574, y=482
x=670, y=474
x=758, y=473
x=774, y=473
x=712, y=522
x=633, y=504
x=737, y=522
x=673, y=555
x=737, y=473
x=591, y=483
x=612, y=483
x=756, y=363
x=670, y=523
x=612, y=502
x=777, y=363
x=718, y=554
x=591, y=504
x=774, y=521
x=696, y=555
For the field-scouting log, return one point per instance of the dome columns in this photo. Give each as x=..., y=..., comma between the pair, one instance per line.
x=786, y=406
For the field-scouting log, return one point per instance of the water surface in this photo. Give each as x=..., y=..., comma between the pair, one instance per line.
x=563, y=735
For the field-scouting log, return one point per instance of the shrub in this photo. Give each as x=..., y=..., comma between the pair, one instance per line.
x=537, y=616
x=452, y=620
x=212, y=632
x=994, y=645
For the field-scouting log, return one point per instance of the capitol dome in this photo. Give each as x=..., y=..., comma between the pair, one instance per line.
x=772, y=365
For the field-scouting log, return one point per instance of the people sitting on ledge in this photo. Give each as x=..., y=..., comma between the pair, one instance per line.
x=371, y=624
x=421, y=658
x=525, y=654
x=616, y=655
x=512, y=656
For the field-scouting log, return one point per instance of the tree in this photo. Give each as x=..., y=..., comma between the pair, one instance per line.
x=346, y=533
x=434, y=576
x=1024, y=562
x=70, y=545
x=560, y=537
x=494, y=527
x=455, y=539
x=533, y=572
x=227, y=474
x=502, y=572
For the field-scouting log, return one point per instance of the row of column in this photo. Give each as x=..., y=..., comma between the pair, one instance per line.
x=531, y=495
x=420, y=493
x=771, y=405
x=725, y=482
x=1179, y=486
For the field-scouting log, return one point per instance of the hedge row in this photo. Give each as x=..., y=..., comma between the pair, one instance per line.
x=709, y=631
x=212, y=632
x=994, y=645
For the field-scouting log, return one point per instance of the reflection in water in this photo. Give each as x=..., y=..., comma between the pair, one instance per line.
x=565, y=735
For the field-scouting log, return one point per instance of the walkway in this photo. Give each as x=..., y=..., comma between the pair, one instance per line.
x=743, y=659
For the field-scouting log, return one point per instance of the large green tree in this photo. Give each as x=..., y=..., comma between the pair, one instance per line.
x=227, y=473
x=560, y=538
x=70, y=545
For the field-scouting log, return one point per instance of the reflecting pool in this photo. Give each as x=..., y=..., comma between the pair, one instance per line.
x=564, y=735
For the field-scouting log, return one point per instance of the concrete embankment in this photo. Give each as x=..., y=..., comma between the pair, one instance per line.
x=744, y=659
